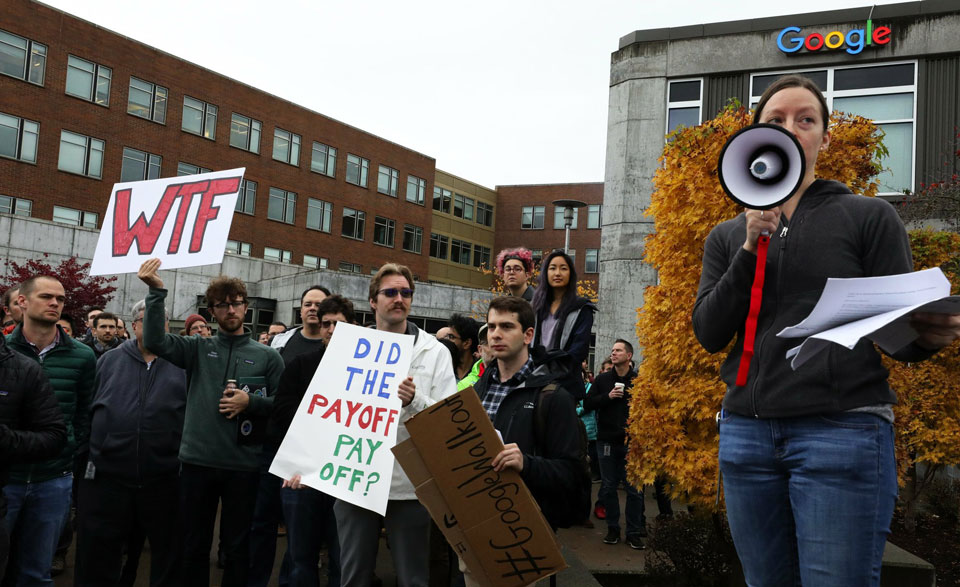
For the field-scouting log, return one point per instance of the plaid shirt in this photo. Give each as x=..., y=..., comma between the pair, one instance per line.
x=497, y=390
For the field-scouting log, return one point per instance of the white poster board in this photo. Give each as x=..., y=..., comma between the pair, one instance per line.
x=184, y=221
x=340, y=439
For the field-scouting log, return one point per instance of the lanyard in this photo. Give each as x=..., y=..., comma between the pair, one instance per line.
x=756, y=296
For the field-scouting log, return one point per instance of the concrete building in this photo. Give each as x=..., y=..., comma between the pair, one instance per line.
x=462, y=231
x=898, y=64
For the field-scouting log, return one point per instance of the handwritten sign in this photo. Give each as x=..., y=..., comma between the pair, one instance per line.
x=340, y=439
x=184, y=221
x=489, y=518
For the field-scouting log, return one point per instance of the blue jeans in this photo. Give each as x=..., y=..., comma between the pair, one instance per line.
x=809, y=500
x=310, y=519
x=613, y=470
x=35, y=516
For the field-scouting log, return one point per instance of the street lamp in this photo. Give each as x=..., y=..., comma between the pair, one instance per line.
x=568, y=207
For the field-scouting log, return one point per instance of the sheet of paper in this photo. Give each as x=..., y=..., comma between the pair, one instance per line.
x=877, y=308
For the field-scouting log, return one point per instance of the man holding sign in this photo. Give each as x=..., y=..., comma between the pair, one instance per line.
x=231, y=381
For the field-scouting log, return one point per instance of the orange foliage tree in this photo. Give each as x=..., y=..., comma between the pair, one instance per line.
x=678, y=389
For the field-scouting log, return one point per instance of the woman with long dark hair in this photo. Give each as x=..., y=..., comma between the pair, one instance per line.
x=564, y=319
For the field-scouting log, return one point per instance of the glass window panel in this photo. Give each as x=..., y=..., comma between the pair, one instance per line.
x=684, y=117
x=856, y=78
x=73, y=152
x=593, y=216
x=685, y=91
x=160, y=105
x=881, y=107
x=13, y=55
x=210, y=124
x=192, y=115
x=80, y=78
x=103, y=85
x=96, y=158
x=66, y=215
x=898, y=166
x=9, y=135
x=140, y=98
x=24, y=207
x=762, y=82
x=133, y=166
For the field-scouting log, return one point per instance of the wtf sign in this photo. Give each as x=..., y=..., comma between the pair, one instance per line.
x=183, y=221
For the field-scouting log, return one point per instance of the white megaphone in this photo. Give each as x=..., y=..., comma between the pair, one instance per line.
x=761, y=166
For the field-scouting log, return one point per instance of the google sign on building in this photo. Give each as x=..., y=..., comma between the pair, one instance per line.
x=791, y=39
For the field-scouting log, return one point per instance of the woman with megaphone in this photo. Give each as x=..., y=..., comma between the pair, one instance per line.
x=806, y=456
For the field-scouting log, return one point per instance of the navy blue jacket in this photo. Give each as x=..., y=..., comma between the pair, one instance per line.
x=571, y=335
x=137, y=416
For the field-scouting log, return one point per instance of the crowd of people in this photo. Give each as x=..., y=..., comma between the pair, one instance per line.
x=116, y=441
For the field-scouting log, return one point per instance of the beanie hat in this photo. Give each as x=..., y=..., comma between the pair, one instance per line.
x=191, y=319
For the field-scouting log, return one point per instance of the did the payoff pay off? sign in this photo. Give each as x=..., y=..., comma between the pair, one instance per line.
x=183, y=221
x=340, y=439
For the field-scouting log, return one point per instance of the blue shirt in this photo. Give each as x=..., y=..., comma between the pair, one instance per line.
x=499, y=390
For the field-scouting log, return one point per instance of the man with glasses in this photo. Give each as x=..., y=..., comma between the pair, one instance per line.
x=231, y=383
x=407, y=522
x=515, y=267
x=462, y=331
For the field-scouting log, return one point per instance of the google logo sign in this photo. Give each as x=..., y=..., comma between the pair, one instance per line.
x=789, y=41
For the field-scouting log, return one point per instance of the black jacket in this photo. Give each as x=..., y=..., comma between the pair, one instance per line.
x=832, y=233
x=136, y=416
x=571, y=335
x=97, y=347
x=611, y=413
x=31, y=423
x=293, y=385
x=550, y=470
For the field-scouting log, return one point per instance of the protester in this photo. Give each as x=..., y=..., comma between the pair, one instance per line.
x=12, y=314
x=264, y=338
x=807, y=455
x=122, y=333
x=407, y=522
x=308, y=512
x=462, y=332
x=515, y=267
x=219, y=451
x=589, y=419
x=130, y=486
x=274, y=329
x=66, y=323
x=104, y=333
x=39, y=495
x=268, y=513
x=31, y=424
x=484, y=356
x=511, y=391
x=196, y=324
x=611, y=402
x=88, y=337
x=563, y=319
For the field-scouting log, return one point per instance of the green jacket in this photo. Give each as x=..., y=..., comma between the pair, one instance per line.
x=70, y=367
x=209, y=438
x=473, y=376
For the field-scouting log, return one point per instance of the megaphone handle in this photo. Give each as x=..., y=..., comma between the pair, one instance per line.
x=756, y=296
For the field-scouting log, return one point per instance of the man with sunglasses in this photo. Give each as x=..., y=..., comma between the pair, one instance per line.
x=231, y=383
x=407, y=522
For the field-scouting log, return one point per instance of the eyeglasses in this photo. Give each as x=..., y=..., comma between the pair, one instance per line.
x=452, y=337
x=235, y=305
x=391, y=292
x=513, y=269
x=329, y=323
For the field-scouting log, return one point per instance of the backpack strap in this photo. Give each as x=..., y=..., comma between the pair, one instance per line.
x=540, y=416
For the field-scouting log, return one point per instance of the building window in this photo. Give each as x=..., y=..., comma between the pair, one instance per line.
x=388, y=181
x=531, y=217
x=238, y=248
x=245, y=133
x=357, y=168
x=460, y=251
x=481, y=256
x=279, y=255
x=18, y=138
x=412, y=238
x=593, y=216
x=884, y=93
x=416, y=189
x=286, y=146
x=438, y=246
x=75, y=217
x=16, y=206
x=199, y=118
x=80, y=154
x=88, y=81
x=463, y=207
x=684, y=99
x=591, y=263
x=138, y=165
x=190, y=169
x=353, y=221
x=537, y=255
x=442, y=199
x=383, y=231
x=147, y=100
x=282, y=205
x=22, y=58
x=319, y=214
x=315, y=262
x=484, y=214
x=323, y=160
x=247, y=197
x=350, y=267
x=558, y=221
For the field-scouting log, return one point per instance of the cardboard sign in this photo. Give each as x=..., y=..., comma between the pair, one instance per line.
x=183, y=221
x=490, y=519
x=340, y=439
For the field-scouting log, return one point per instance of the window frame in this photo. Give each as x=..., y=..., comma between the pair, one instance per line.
x=15, y=208
x=254, y=128
x=416, y=233
x=88, y=147
x=698, y=104
x=558, y=215
x=21, y=131
x=83, y=217
x=282, y=256
x=443, y=241
x=242, y=249
x=445, y=199
x=247, y=197
x=419, y=188
x=33, y=52
x=154, y=114
x=359, y=219
x=591, y=209
x=195, y=171
x=595, y=254
x=288, y=209
x=294, y=142
x=330, y=159
x=208, y=110
x=148, y=162
x=484, y=214
x=362, y=166
x=533, y=217
x=392, y=176
x=388, y=228
x=97, y=74
x=325, y=208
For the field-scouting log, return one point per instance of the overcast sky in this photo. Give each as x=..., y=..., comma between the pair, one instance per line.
x=500, y=92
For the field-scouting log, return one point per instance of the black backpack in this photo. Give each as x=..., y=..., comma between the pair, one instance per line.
x=578, y=504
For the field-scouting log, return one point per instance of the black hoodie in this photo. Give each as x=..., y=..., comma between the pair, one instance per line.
x=832, y=233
